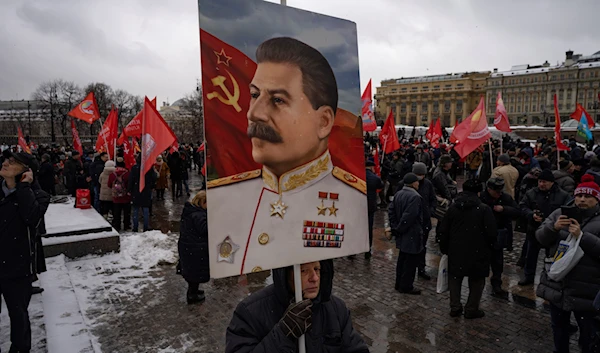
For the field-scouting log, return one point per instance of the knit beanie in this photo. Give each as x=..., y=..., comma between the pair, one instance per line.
x=588, y=187
x=410, y=178
x=419, y=168
x=565, y=165
x=446, y=158
x=547, y=175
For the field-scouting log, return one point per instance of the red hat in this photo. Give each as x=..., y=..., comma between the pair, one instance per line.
x=588, y=186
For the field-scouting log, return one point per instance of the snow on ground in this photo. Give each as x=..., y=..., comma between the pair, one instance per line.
x=101, y=282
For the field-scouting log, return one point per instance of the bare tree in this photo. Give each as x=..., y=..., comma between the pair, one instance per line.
x=191, y=123
x=59, y=97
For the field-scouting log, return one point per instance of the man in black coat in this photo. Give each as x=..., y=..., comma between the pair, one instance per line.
x=141, y=200
x=374, y=183
x=77, y=177
x=21, y=211
x=467, y=234
x=46, y=175
x=271, y=321
x=96, y=168
x=406, y=221
x=537, y=204
x=505, y=211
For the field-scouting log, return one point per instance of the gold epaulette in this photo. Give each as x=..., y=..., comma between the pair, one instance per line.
x=350, y=179
x=233, y=179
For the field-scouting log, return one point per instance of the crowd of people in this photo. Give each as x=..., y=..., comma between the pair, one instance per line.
x=524, y=188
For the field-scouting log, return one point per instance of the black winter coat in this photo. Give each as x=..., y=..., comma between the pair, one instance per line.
x=511, y=209
x=576, y=292
x=144, y=198
x=96, y=168
x=427, y=192
x=406, y=220
x=20, y=215
x=467, y=234
x=46, y=177
x=193, y=244
x=373, y=184
x=255, y=328
x=545, y=201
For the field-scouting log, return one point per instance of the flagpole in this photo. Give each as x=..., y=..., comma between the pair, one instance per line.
x=501, y=151
x=491, y=156
x=557, y=157
x=103, y=135
x=383, y=152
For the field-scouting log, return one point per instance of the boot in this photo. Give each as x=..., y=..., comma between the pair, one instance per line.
x=498, y=292
x=423, y=274
x=474, y=314
x=195, y=298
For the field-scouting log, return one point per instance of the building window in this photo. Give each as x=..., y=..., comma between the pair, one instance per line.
x=560, y=106
x=425, y=88
x=535, y=79
x=580, y=96
x=571, y=76
x=424, y=107
x=569, y=95
x=512, y=99
x=459, y=94
x=460, y=85
x=526, y=98
x=562, y=76
x=413, y=107
x=403, y=108
x=394, y=108
x=533, y=106
x=436, y=106
x=404, y=89
x=518, y=108
x=414, y=88
x=560, y=94
x=568, y=106
x=459, y=104
x=511, y=109
x=590, y=94
x=394, y=90
x=526, y=108
x=446, y=106
x=436, y=87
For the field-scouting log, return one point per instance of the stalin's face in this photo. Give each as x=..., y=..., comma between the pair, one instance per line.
x=286, y=131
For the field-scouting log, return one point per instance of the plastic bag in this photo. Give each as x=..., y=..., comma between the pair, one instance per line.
x=442, y=280
x=83, y=199
x=566, y=257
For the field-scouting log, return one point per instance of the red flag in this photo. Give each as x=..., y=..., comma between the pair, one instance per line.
x=134, y=128
x=87, y=110
x=22, y=141
x=429, y=132
x=559, y=144
x=436, y=134
x=201, y=148
x=452, y=137
x=136, y=146
x=76, y=140
x=175, y=147
x=153, y=101
x=388, y=133
x=472, y=132
x=156, y=137
x=226, y=72
x=128, y=156
x=501, y=121
x=368, y=120
x=377, y=162
x=108, y=135
x=579, y=111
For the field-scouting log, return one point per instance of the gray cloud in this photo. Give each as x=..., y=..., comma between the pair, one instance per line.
x=151, y=47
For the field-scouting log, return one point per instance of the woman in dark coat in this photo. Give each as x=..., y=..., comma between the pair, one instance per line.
x=467, y=234
x=193, y=246
x=142, y=199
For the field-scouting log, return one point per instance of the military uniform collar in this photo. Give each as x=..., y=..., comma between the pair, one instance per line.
x=300, y=177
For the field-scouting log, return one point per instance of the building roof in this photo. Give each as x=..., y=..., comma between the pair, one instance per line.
x=179, y=102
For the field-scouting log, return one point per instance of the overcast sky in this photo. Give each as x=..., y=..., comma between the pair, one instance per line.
x=151, y=47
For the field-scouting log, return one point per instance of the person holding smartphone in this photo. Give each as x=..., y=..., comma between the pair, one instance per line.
x=577, y=291
x=21, y=212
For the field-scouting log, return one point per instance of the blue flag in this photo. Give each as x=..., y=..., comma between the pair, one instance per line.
x=583, y=129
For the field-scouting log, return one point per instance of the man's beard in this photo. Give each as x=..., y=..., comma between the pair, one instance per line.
x=264, y=132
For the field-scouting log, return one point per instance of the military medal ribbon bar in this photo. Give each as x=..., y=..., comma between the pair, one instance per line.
x=322, y=234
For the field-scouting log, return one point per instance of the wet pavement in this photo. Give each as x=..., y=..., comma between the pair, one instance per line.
x=157, y=319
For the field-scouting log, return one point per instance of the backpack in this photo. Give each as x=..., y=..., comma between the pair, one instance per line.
x=118, y=189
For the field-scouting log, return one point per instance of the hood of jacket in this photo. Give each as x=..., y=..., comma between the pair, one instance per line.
x=188, y=209
x=559, y=174
x=284, y=293
x=467, y=200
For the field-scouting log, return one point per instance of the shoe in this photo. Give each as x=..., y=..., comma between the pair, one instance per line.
x=498, y=292
x=195, y=298
x=424, y=275
x=456, y=313
x=368, y=256
x=474, y=314
x=526, y=281
x=36, y=290
x=413, y=291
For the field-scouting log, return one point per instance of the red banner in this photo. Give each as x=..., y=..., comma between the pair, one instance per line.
x=436, y=134
x=87, y=110
x=388, y=137
x=559, y=144
x=472, y=132
x=128, y=155
x=156, y=137
x=501, y=121
x=368, y=119
x=108, y=135
x=22, y=142
x=76, y=140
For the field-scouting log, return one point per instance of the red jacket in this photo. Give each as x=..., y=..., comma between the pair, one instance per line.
x=124, y=173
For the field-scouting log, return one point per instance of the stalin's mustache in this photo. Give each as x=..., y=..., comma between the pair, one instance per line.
x=264, y=132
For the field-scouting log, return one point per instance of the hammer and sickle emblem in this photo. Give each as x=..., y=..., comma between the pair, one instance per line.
x=232, y=99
